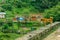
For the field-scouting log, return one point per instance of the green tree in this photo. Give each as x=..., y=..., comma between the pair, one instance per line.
x=44, y=4
x=7, y=7
x=54, y=12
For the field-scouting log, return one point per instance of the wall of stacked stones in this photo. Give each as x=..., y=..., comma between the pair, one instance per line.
x=41, y=33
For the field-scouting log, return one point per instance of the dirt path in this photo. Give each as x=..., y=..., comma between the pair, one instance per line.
x=54, y=36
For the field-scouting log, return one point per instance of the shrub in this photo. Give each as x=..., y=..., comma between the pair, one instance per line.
x=18, y=4
x=7, y=7
x=1, y=23
x=54, y=12
x=10, y=23
x=5, y=26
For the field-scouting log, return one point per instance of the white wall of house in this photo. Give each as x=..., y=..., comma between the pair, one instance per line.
x=2, y=15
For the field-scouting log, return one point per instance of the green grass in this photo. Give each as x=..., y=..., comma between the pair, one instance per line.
x=9, y=36
x=13, y=36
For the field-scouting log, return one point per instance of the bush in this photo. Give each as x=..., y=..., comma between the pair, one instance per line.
x=54, y=12
x=32, y=29
x=5, y=27
x=10, y=23
x=7, y=7
x=18, y=4
x=1, y=23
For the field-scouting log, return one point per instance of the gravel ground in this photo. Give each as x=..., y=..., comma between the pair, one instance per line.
x=54, y=36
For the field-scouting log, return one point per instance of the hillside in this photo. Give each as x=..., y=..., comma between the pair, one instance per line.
x=25, y=6
x=20, y=7
x=10, y=30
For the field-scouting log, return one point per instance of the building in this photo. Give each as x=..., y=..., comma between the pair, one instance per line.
x=2, y=14
x=36, y=17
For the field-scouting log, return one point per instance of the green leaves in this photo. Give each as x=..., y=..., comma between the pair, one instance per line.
x=44, y=4
x=40, y=5
x=7, y=7
x=54, y=12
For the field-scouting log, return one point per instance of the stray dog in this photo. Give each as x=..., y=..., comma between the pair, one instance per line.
x=46, y=20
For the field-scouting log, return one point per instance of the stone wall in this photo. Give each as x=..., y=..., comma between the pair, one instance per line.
x=40, y=33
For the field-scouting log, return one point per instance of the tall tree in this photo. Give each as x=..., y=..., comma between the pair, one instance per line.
x=43, y=4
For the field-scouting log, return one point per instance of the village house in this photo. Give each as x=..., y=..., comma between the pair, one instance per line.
x=2, y=14
x=36, y=17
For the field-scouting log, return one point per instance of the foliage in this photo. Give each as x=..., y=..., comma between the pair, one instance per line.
x=11, y=7
x=7, y=7
x=21, y=7
x=5, y=27
x=10, y=23
x=40, y=5
x=44, y=4
x=54, y=12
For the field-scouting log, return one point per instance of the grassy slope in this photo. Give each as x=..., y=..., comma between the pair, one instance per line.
x=21, y=11
x=13, y=13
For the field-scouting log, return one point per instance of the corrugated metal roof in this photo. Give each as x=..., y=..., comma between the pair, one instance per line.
x=2, y=13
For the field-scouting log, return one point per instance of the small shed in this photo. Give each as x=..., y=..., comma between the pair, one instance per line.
x=2, y=14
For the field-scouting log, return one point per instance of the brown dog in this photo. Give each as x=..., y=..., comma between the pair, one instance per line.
x=45, y=20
